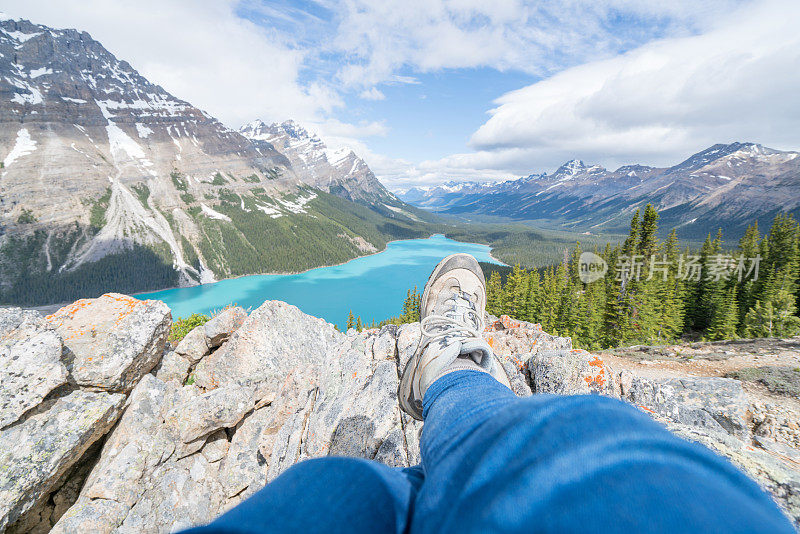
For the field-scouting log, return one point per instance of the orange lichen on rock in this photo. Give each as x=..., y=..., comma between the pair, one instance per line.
x=78, y=319
x=508, y=322
x=597, y=379
x=518, y=362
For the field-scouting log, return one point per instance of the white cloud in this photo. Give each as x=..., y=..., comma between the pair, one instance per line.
x=712, y=79
x=372, y=94
x=199, y=51
x=660, y=102
x=335, y=128
x=381, y=38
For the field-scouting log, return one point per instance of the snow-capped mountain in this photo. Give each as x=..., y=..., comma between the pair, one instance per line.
x=725, y=185
x=340, y=171
x=106, y=178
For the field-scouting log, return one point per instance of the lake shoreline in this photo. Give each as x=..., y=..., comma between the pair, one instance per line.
x=52, y=308
x=287, y=273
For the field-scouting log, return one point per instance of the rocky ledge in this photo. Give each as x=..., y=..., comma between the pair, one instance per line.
x=106, y=428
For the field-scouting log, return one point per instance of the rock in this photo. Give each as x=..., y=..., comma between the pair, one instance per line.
x=220, y=327
x=286, y=443
x=133, y=448
x=43, y=516
x=385, y=345
x=30, y=363
x=140, y=443
x=713, y=404
x=511, y=338
x=99, y=516
x=244, y=468
x=114, y=340
x=287, y=386
x=408, y=338
x=37, y=452
x=273, y=340
x=569, y=372
x=219, y=408
x=17, y=324
x=194, y=346
x=181, y=494
x=173, y=368
x=216, y=447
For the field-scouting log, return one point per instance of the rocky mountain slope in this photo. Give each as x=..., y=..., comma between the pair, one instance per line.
x=108, y=179
x=726, y=186
x=153, y=438
x=339, y=171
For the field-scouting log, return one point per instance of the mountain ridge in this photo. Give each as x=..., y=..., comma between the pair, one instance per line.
x=110, y=182
x=728, y=185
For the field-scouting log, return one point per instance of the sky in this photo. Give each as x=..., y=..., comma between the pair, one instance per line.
x=428, y=91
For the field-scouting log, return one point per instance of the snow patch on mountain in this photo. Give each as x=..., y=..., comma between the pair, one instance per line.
x=23, y=146
x=209, y=212
x=144, y=131
x=21, y=37
x=299, y=205
x=35, y=73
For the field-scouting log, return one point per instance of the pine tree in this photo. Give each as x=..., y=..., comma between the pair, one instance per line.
x=410, y=313
x=562, y=300
x=671, y=293
x=614, y=318
x=494, y=292
x=726, y=317
x=701, y=296
x=534, y=297
x=648, y=239
x=749, y=248
x=350, y=320
x=517, y=292
x=779, y=267
x=550, y=299
x=359, y=324
x=646, y=313
x=776, y=317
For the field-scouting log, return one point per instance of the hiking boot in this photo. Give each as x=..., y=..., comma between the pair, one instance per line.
x=452, y=313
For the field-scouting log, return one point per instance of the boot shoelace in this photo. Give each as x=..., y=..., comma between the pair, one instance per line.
x=462, y=320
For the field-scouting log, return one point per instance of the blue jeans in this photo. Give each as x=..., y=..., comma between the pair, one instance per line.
x=492, y=462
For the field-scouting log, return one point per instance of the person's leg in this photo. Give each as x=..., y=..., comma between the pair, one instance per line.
x=497, y=463
x=326, y=495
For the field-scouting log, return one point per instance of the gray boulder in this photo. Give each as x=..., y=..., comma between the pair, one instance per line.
x=287, y=386
x=194, y=346
x=569, y=372
x=173, y=368
x=221, y=326
x=113, y=340
x=30, y=363
x=275, y=339
x=218, y=408
x=35, y=453
x=717, y=405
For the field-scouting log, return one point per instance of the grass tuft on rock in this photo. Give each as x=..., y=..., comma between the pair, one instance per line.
x=782, y=380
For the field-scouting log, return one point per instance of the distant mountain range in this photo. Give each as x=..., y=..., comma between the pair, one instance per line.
x=110, y=182
x=727, y=186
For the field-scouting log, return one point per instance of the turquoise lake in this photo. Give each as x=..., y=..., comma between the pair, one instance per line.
x=373, y=286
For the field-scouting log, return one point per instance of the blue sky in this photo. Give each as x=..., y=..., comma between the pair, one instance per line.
x=433, y=90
